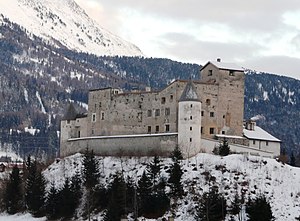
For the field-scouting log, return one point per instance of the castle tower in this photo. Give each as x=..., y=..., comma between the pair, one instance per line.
x=189, y=121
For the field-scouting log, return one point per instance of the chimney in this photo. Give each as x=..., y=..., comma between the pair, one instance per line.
x=218, y=59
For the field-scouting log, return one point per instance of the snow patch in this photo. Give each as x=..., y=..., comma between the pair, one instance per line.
x=40, y=101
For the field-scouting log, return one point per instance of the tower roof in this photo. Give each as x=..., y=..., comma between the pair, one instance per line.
x=71, y=113
x=189, y=93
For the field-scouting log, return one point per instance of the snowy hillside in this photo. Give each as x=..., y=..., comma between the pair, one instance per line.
x=63, y=22
x=233, y=174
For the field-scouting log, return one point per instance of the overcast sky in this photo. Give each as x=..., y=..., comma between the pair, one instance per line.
x=262, y=35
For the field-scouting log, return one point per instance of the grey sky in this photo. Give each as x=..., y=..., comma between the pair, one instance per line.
x=261, y=35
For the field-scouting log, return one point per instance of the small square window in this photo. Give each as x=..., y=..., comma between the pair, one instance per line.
x=171, y=98
x=94, y=117
x=167, y=111
x=210, y=72
x=211, y=130
x=163, y=100
x=231, y=73
x=191, y=128
x=157, y=129
x=149, y=113
x=157, y=112
x=207, y=101
x=223, y=132
x=191, y=117
x=167, y=127
x=212, y=114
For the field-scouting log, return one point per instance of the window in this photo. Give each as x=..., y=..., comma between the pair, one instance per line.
x=167, y=111
x=191, y=139
x=191, y=117
x=68, y=121
x=94, y=117
x=253, y=141
x=207, y=101
x=191, y=128
x=171, y=98
x=163, y=100
x=231, y=73
x=202, y=130
x=92, y=132
x=78, y=135
x=209, y=72
x=100, y=104
x=157, y=129
x=211, y=130
x=212, y=114
x=223, y=132
x=149, y=129
x=191, y=105
x=167, y=127
x=267, y=143
x=149, y=113
x=157, y=112
x=102, y=116
x=202, y=113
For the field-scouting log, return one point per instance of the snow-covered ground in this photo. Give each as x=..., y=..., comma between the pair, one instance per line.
x=19, y=217
x=235, y=173
x=248, y=174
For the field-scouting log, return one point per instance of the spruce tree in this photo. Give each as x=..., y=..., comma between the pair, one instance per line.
x=212, y=207
x=144, y=193
x=224, y=148
x=117, y=199
x=13, y=197
x=176, y=174
x=154, y=170
x=259, y=209
x=90, y=170
x=53, y=203
x=35, y=189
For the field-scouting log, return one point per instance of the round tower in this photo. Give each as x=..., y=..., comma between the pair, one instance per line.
x=189, y=121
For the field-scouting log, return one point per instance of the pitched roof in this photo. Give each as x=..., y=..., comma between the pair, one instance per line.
x=224, y=66
x=71, y=113
x=189, y=93
x=259, y=134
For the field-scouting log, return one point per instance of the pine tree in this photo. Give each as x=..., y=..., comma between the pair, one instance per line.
x=35, y=189
x=259, y=209
x=13, y=192
x=212, y=207
x=53, y=203
x=90, y=170
x=117, y=199
x=176, y=174
x=144, y=193
x=90, y=178
x=154, y=170
x=224, y=148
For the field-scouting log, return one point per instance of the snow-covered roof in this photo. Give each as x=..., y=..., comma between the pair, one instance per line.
x=225, y=66
x=229, y=136
x=259, y=134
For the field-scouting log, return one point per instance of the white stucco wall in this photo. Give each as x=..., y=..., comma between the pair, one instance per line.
x=208, y=146
x=127, y=145
x=189, y=127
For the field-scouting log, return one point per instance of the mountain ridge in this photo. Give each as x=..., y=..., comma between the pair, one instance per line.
x=64, y=22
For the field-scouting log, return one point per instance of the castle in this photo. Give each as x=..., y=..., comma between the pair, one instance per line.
x=193, y=115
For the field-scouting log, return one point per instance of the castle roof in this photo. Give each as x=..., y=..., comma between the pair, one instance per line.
x=189, y=93
x=71, y=113
x=224, y=66
x=259, y=134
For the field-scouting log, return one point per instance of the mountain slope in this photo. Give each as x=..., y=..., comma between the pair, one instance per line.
x=63, y=22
